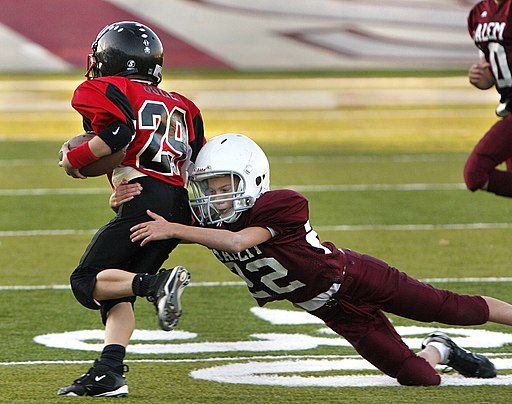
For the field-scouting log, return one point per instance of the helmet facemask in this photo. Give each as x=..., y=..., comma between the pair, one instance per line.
x=210, y=206
x=92, y=71
x=230, y=168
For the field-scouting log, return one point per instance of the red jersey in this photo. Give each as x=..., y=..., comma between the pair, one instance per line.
x=293, y=265
x=168, y=127
x=490, y=26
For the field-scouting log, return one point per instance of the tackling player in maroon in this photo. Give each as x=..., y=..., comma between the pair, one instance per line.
x=490, y=26
x=162, y=132
x=264, y=236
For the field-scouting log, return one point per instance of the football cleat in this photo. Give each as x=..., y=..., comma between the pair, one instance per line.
x=100, y=381
x=168, y=290
x=466, y=363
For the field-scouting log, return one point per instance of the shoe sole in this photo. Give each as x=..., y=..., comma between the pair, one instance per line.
x=120, y=392
x=169, y=307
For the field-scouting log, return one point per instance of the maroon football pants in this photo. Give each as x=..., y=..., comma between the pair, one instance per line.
x=493, y=149
x=370, y=288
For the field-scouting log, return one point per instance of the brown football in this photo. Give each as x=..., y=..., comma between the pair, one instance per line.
x=101, y=166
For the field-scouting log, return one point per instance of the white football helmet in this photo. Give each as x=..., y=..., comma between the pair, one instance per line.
x=240, y=158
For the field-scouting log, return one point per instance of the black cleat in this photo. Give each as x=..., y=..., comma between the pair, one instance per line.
x=167, y=296
x=99, y=381
x=466, y=363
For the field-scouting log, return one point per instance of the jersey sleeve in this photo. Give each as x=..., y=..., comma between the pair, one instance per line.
x=284, y=211
x=101, y=103
x=470, y=23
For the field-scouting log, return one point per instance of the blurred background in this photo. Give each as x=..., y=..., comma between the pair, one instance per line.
x=291, y=35
x=306, y=55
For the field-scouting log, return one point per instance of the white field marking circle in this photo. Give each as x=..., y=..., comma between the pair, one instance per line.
x=92, y=340
x=277, y=373
x=271, y=372
x=268, y=373
x=464, y=337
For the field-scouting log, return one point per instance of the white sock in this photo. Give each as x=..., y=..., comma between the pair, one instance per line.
x=444, y=351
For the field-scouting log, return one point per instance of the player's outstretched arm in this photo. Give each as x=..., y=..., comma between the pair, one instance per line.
x=220, y=239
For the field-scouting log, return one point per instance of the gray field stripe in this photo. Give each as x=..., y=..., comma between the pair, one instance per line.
x=398, y=158
x=27, y=162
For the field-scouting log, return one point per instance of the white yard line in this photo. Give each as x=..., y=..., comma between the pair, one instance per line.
x=415, y=227
x=53, y=191
x=490, y=279
x=339, y=227
x=377, y=187
x=299, y=188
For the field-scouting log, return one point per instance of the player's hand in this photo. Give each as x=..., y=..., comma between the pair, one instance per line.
x=123, y=193
x=480, y=75
x=157, y=229
x=66, y=165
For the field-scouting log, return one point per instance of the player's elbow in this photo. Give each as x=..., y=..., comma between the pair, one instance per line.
x=234, y=248
x=236, y=244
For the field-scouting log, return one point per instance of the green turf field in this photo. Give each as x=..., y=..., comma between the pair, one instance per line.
x=383, y=176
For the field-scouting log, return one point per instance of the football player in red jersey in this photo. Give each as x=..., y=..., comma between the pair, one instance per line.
x=265, y=237
x=162, y=132
x=490, y=26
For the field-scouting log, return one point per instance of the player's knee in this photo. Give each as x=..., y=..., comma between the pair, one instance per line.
x=82, y=286
x=474, y=179
x=416, y=371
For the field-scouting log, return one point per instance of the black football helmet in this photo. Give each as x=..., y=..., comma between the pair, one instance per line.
x=128, y=49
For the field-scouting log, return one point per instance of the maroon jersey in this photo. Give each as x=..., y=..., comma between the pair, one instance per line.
x=168, y=127
x=293, y=265
x=490, y=26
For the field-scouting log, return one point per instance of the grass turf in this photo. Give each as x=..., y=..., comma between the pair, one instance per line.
x=372, y=145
